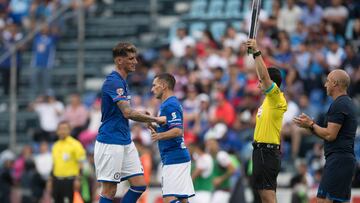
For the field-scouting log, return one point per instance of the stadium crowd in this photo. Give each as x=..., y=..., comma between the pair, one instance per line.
x=217, y=84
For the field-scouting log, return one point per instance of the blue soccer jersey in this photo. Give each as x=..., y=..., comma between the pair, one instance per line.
x=114, y=128
x=172, y=151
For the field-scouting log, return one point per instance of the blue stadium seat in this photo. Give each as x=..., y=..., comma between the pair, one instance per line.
x=237, y=25
x=246, y=7
x=196, y=27
x=349, y=29
x=232, y=9
x=218, y=29
x=215, y=9
x=197, y=9
x=267, y=6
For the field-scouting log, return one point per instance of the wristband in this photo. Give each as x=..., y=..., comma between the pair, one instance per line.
x=256, y=54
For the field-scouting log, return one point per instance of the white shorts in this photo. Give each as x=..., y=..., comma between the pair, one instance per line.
x=176, y=180
x=115, y=163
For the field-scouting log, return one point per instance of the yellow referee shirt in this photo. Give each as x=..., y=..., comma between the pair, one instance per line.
x=269, y=116
x=66, y=155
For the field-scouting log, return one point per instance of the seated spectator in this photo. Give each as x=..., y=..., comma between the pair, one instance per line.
x=76, y=114
x=289, y=16
x=337, y=15
x=43, y=161
x=180, y=42
x=49, y=112
x=312, y=13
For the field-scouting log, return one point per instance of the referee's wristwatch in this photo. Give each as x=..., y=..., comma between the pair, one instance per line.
x=256, y=54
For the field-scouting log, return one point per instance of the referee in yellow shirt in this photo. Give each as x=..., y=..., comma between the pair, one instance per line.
x=68, y=154
x=266, y=154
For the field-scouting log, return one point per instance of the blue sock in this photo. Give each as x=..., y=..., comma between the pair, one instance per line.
x=104, y=200
x=133, y=194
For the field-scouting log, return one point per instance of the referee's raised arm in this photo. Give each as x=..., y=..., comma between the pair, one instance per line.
x=260, y=66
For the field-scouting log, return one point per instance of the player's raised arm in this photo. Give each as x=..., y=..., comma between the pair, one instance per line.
x=135, y=115
x=260, y=66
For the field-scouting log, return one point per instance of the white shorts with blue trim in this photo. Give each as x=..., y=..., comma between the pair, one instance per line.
x=176, y=180
x=115, y=163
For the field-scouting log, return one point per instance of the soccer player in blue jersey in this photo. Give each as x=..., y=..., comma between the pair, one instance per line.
x=177, y=185
x=116, y=158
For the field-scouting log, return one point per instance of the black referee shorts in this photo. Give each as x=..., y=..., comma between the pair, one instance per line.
x=266, y=166
x=337, y=176
x=63, y=189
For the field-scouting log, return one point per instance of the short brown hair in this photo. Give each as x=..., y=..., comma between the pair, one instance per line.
x=168, y=79
x=122, y=49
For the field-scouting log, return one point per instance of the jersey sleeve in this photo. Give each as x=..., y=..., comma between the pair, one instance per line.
x=274, y=95
x=174, y=117
x=80, y=154
x=336, y=113
x=116, y=90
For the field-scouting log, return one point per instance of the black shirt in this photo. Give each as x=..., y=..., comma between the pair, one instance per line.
x=342, y=111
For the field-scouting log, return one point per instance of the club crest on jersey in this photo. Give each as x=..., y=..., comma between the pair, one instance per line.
x=117, y=176
x=173, y=114
x=120, y=91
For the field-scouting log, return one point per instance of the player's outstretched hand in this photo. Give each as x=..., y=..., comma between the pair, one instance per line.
x=251, y=44
x=303, y=121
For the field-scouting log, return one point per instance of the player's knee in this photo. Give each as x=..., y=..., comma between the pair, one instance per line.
x=138, y=189
x=108, y=190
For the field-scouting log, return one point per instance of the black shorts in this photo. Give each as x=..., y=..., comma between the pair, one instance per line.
x=63, y=189
x=337, y=176
x=266, y=167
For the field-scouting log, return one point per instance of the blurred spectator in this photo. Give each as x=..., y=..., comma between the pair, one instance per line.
x=301, y=183
x=223, y=110
x=334, y=56
x=10, y=36
x=223, y=170
x=43, y=60
x=202, y=173
x=19, y=12
x=351, y=64
x=311, y=13
x=87, y=136
x=32, y=185
x=180, y=42
x=49, y=111
x=6, y=179
x=207, y=41
x=76, y=114
x=43, y=160
x=19, y=164
x=88, y=180
x=337, y=15
x=288, y=127
x=233, y=39
x=289, y=16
